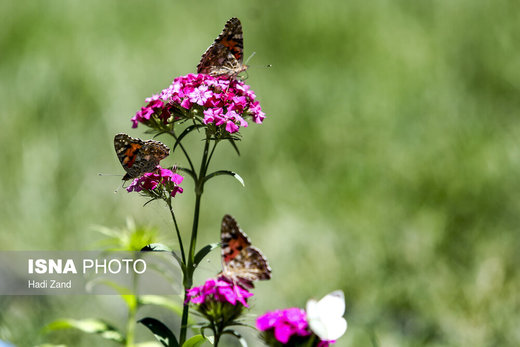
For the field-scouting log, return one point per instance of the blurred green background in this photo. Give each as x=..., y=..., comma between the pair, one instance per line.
x=388, y=164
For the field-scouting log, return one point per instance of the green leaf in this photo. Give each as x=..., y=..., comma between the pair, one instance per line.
x=225, y=172
x=89, y=326
x=232, y=141
x=195, y=341
x=203, y=252
x=161, y=332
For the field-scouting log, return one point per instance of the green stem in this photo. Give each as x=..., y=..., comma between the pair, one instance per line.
x=132, y=311
x=172, y=133
x=211, y=155
x=216, y=332
x=177, y=230
x=188, y=281
x=130, y=327
x=184, y=319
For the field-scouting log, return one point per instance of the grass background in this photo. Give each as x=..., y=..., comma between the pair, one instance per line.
x=387, y=165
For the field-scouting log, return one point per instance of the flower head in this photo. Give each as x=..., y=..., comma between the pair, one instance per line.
x=219, y=290
x=219, y=300
x=284, y=323
x=221, y=101
x=320, y=326
x=164, y=178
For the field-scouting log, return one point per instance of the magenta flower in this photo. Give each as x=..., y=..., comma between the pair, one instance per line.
x=218, y=290
x=226, y=102
x=154, y=106
x=285, y=323
x=150, y=180
x=289, y=327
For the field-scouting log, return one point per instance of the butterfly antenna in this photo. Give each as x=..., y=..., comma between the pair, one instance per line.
x=104, y=174
x=249, y=58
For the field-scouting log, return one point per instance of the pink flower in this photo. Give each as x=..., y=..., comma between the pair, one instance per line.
x=200, y=95
x=143, y=115
x=218, y=290
x=285, y=323
x=150, y=181
x=212, y=115
x=256, y=111
x=289, y=327
x=217, y=95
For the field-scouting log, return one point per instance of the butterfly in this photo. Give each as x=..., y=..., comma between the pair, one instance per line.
x=241, y=262
x=138, y=156
x=325, y=317
x=225, y=55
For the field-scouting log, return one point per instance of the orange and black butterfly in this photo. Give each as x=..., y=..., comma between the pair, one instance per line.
x=138, y=156
x=225, y=55
x=241, y=262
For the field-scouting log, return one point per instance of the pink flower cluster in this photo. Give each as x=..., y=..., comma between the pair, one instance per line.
x=218, y=290
x=150, y=181
x=286, y=324
x=225, y=101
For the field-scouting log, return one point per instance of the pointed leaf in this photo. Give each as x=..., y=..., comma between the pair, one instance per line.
x=232, y=141
x=161, y=332
x=195, y=341
x=90, y=326
x=238, y=178
x=225, y=172
x=203, y=252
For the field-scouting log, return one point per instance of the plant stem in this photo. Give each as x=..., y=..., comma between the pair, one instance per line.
x=188, y=281
x=184, y=319
x=216, y=333
x=211, y=154
x=130, y=327
x=172, y=133
x=177, y=230
x=132, y=310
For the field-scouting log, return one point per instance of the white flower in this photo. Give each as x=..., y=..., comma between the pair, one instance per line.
x=325, y=317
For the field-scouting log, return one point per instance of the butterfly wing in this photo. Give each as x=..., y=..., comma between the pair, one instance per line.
x=225, y=55
x=325, y=317
x=241, y=262
x=137, y=156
